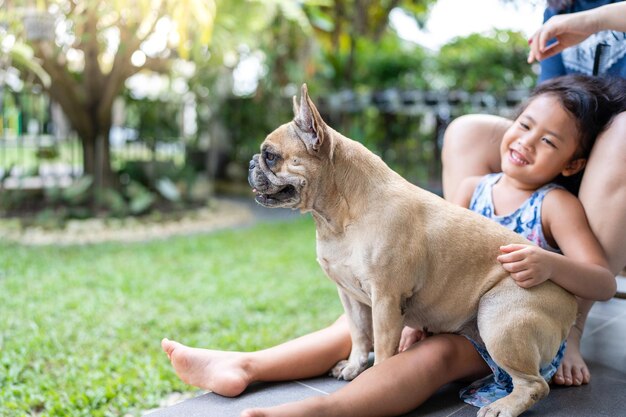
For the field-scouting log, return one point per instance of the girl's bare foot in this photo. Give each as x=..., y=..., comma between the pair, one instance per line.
x=573, y=369
x=221, y=372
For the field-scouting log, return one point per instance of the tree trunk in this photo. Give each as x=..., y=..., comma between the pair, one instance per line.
x=97, y=159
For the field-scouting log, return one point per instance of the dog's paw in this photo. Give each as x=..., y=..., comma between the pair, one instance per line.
x=346, y=370
x=493, y=410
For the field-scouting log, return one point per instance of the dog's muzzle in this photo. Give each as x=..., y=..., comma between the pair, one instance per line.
x=267, y=193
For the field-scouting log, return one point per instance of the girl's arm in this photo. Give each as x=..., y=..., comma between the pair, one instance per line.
x=583, y=270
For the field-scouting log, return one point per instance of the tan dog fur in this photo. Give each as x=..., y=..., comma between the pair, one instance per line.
x=401, y=255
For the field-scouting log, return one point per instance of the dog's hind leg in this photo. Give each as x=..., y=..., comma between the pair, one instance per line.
x=527, y=390
x=519, y=341
x=521, y=360
x=520, y=347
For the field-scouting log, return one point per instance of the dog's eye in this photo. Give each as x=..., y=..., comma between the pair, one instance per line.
x=270, y=158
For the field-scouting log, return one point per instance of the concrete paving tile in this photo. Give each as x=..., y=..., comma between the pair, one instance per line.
x=257, y=395
x=444, y=403
x=604, y=397
x=603, y=346
x=608, y=309
x=324, y=384
x=606, y=344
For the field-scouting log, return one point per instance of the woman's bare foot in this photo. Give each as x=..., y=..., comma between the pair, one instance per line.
x=221, y=372
x=573, y=369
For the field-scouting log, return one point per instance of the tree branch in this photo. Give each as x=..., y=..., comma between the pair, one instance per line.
x=63, y=91
x=379, y=27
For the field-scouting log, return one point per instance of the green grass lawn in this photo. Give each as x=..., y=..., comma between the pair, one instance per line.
x=80, y=326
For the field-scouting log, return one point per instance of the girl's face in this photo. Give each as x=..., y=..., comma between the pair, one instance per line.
x=541, y=144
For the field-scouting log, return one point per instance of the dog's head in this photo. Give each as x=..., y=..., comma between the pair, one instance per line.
x=286, y=172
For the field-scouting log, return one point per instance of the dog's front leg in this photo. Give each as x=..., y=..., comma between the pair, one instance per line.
x=360, y=321
x=388, y=323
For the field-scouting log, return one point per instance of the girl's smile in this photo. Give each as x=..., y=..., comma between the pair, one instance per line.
x=540, y=145
x=517, y=158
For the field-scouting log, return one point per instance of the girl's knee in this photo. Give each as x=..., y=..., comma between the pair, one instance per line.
x=443, y=352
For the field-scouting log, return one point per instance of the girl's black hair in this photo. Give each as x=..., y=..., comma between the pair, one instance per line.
x=592, y=102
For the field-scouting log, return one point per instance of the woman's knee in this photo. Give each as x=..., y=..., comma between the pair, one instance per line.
x=455, y=138
x=606, y=166
x=612, y=141
x=471, y=147
x=465, y=132
x=603, y=191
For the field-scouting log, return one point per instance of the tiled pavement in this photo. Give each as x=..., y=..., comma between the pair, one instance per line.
x=603, y=346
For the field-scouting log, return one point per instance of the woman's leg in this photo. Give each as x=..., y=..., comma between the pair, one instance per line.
x=603, y=195
x=471, y=146
x=229, y=373
x=395, y=386
x=603, y=192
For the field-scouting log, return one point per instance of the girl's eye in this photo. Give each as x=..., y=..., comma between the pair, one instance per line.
x=549, y=142
x=524, y=125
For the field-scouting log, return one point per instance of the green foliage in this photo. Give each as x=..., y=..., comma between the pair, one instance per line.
x=60, y=204
x=495, y=62
x=390, y=63
x=113, y=201
x=146, y=183
x=249, y=120
x=168, y=189
x=77, y=192
x=81, y=326
x=386, y=63
x=48, y=152
x=141, y=198
x=153, y=119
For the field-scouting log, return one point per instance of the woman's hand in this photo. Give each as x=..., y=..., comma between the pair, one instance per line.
x=568, y=29
x=409, y=337
x=528, y=265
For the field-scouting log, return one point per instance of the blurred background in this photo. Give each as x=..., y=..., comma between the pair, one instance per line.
x=116, y=108
x=126, y=122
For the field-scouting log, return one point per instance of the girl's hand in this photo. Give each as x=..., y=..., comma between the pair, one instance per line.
x=409, y=337
x=528, y=265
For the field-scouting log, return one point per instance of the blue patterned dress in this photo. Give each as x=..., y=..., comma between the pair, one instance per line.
x=526, y=221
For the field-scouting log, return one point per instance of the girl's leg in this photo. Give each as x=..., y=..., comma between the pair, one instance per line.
x=229, y=373
x=603, y=195
x=471, y=146
x=395, y=386
x=573, y=369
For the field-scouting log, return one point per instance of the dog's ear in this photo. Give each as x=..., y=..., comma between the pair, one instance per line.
x=309, y=121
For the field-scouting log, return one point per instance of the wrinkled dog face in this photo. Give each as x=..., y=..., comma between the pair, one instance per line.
x=289, y=158
x=270, y=173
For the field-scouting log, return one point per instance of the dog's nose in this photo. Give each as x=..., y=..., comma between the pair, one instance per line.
x=252, y=165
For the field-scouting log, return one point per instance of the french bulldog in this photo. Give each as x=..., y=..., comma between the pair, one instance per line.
x=401, y=255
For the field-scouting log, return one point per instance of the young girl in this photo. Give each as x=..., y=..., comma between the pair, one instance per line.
x=549, y=141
